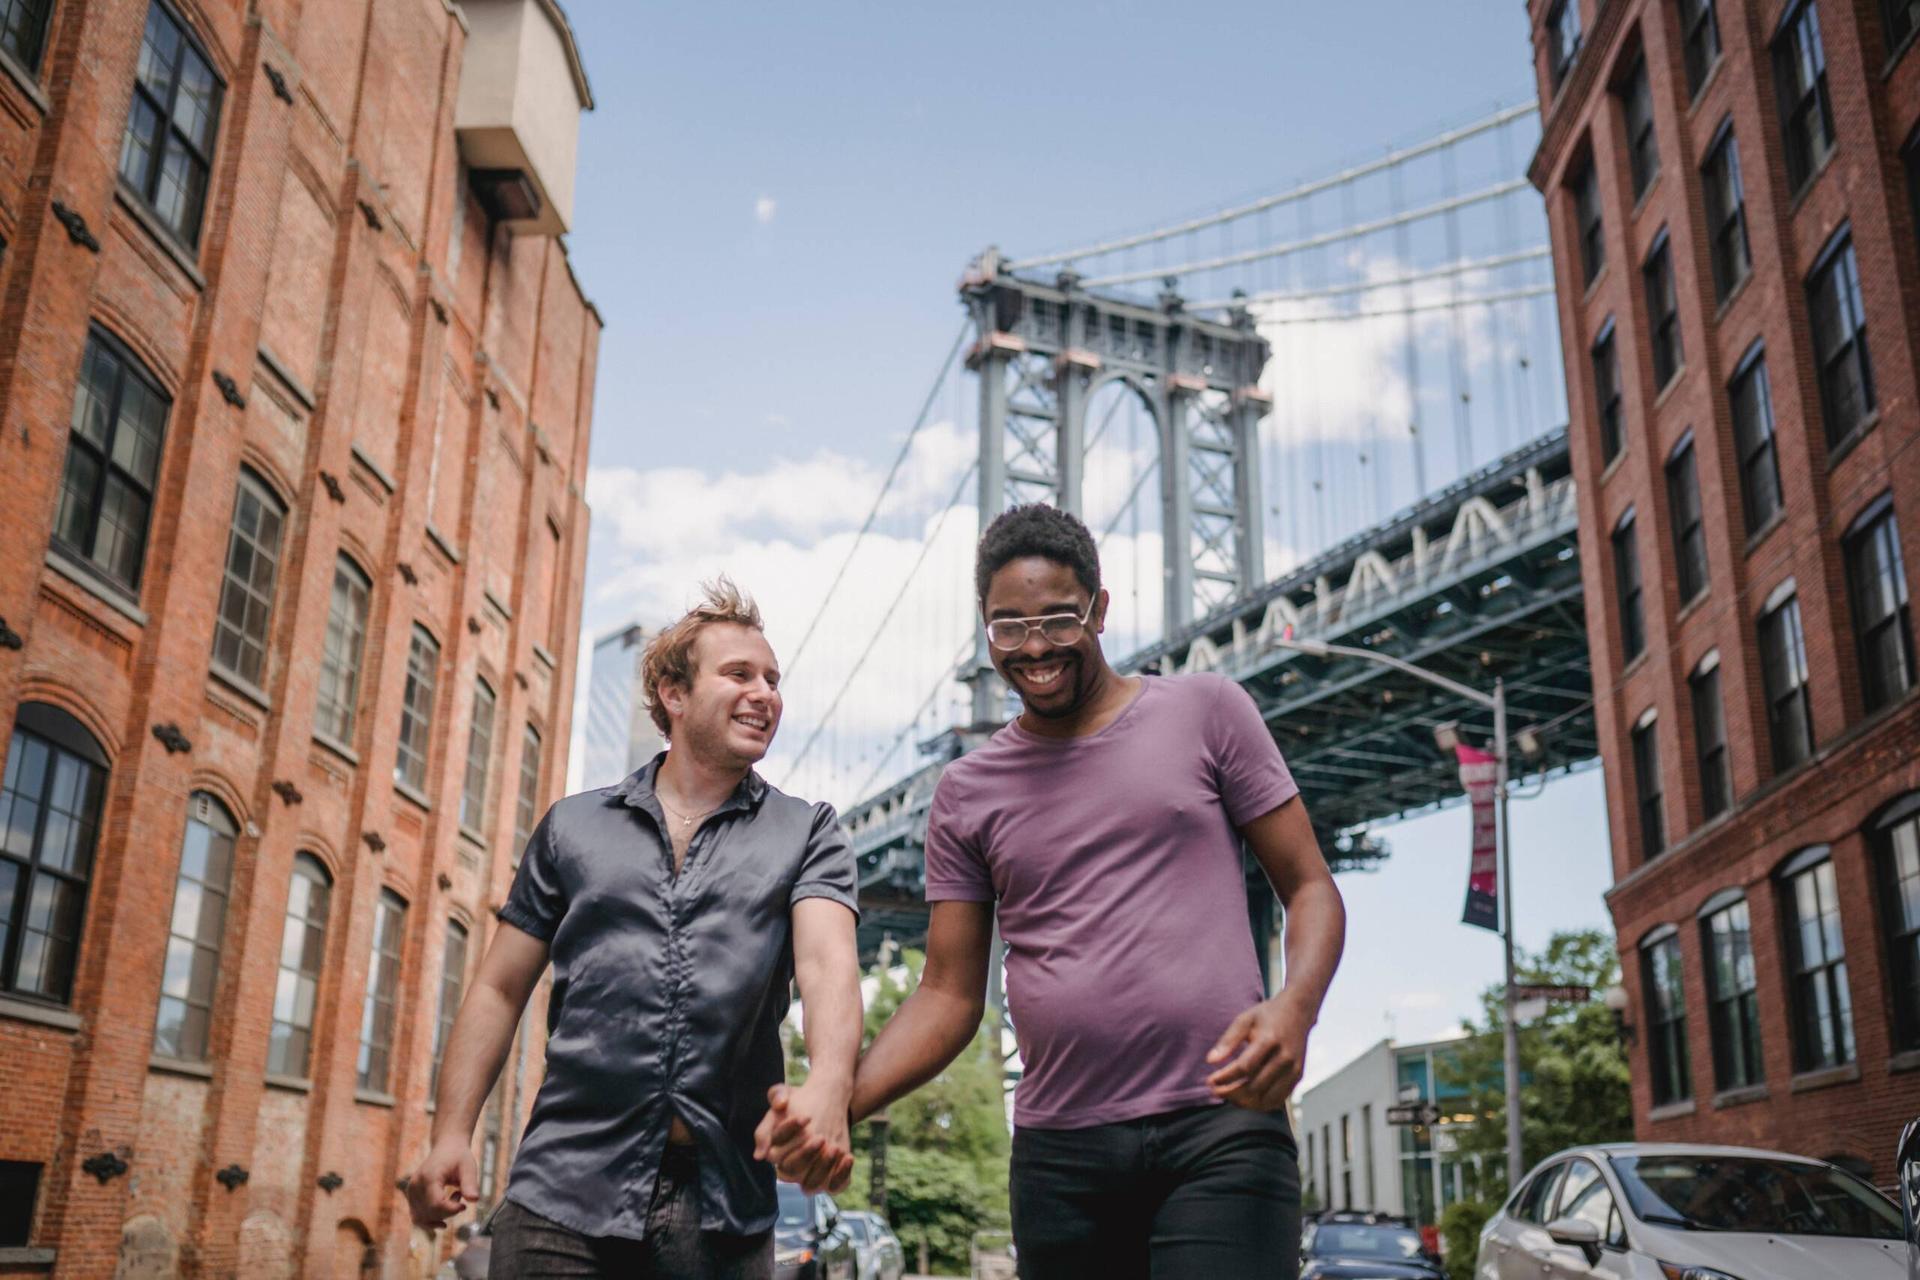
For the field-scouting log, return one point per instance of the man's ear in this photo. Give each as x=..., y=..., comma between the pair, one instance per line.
x=1100, y=603
x=673, y=697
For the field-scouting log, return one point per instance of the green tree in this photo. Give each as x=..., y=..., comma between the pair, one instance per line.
x=1573, y=1071
x=947, y=1141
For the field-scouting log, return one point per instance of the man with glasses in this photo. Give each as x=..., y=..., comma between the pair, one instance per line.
x=1105, y=823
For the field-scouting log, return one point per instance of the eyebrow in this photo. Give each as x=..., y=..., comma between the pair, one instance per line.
x=1046, y=612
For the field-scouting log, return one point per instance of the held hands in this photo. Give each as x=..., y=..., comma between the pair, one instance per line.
x=446, y=1182
x=1272, y=1041
x=805, y=1136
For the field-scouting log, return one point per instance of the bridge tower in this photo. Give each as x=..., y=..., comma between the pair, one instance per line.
x=1042, y=351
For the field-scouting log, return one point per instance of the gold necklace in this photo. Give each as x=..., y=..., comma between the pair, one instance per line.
x=686, y=819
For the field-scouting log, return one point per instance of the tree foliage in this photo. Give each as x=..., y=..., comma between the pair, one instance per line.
x=947, y=1142
x=1573, y=1070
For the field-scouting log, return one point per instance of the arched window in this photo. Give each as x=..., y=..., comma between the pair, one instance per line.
x=1733, y=1001
x=113, y=461
x=303, y=944
x=346, y=638
x=383, y=992
x=526, y=808
x=416, y=710
x=453, y=976
x=246, y=589
x=473, y=795
x=199, y=922
x=1896, y=849
x=1816, y=961
x=55, y=784
x=1666, y=1006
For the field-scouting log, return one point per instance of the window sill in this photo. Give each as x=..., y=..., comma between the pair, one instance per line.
x=29, y=86
x=1805, y=189
x=1612, y=465
x=292, y=1084
x=418, y=797
x=473, y=837
x=1593, y=286
x=179, y=1067
x=45, y=1014
x=1759, y=535
x=182, y=256
x=1739, y=1097
x=27, y=1256
x=374, y=1099
x=1826, y=1078
x=378, y=472
x=1634, y=663
x=1653, y=185
x=241, y=685
x=292, y=384
x=1672, y=384
x=338, y=748
x=1906, y=1061
x=545, y=659
x=1713, y=74
x=1733, y=296
x=1671, y=1111
x=1851, y=441
x=495, y=602
x=110, y=593
x=440, y=540
x=1687, y=607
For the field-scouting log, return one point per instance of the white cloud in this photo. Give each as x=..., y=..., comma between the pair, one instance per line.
x=763, y=210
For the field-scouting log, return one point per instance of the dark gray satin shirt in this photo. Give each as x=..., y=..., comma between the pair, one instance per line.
x=667, y=995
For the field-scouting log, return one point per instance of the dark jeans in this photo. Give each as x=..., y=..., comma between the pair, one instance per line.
x=1206, y=1193
x=527, y=1246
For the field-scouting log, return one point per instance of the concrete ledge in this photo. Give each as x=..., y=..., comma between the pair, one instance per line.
x=110, y=593
x=372, y=1098
x=1739, y=1097
x=182, y=257
x=1808, y=1081
x=292, y=1084
x=179, y=1067
x=27, y=1256
x=45, y=1015
x=1672, y=1111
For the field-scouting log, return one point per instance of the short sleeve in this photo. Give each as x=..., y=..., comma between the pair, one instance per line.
x=1247, y=765
x=537, y=900
x=827, y=868
x=956, y=869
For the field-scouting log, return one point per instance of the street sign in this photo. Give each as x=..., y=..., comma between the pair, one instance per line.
x=1413, y=1113
x=1571, y=995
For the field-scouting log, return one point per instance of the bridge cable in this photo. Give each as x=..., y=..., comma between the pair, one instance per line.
x=946, y=677
x=873, y=637
x=906, y=447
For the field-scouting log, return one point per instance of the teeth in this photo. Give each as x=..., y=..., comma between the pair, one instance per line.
x=1035, y=676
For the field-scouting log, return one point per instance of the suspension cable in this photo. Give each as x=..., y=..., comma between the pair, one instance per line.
x=1466, y=267
x=1391, y=159
x=946, y=675
x=906, y=447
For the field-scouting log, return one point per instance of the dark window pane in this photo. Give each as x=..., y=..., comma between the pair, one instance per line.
x=1710, y=742
x=1700, y=29
x=1626, y=574
x=1726, y=215
x=473, y=793
x=1897, y=850
x=1663, y=313
x=1883, y=632
x=19, y=1188
x=1823, y=1003
x=1586, y=204
x=1752, y=403
x=1643, y=147
x=339, y=684
x=246, y=590
x=1607, y=396
x=49, y=818
x=1689, y=532
x=1839, y=322
x=1647, y=787
x=416, y=710
x=113, y=457
x=1800, y=78
x=23, y=34
x=1783, y=669
x=1902, y=16
x=171, y=124
x=1563, y=38
x=1666, y=1003
x=1732, y=990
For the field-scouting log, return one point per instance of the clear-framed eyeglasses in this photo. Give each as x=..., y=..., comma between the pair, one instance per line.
x=1008, y=634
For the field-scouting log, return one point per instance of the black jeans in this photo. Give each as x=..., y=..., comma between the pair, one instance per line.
x=1206, y=1193
x=527, y=1246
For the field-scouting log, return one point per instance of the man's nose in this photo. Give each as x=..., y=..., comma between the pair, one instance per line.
x=1036, y=643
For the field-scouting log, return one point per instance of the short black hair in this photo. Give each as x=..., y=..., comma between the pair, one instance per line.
x=1036, y=529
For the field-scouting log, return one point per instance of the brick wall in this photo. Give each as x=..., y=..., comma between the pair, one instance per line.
x=1861, y=763
x=417, y=390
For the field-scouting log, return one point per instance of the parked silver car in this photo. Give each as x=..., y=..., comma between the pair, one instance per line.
x=1663, y=1211
x=880, y=1252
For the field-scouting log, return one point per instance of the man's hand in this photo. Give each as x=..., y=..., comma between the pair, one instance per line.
x=805, y=1136
x=446, y=1182
x=1272, y=1041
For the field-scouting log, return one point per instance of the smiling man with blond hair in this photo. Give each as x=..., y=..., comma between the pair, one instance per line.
x=674, y=908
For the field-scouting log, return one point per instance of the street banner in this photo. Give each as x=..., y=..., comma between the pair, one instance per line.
x=1478, y=774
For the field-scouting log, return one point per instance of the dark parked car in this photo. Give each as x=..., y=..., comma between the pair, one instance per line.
x=1345, y=1246
x=810, y=1242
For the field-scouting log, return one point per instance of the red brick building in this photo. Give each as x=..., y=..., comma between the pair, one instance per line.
x=295, y=392
x=1731, y=189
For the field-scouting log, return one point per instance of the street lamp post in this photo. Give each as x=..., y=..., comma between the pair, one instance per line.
x=1497, y=703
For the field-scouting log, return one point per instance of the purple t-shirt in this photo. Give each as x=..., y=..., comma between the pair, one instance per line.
x=1116, y=865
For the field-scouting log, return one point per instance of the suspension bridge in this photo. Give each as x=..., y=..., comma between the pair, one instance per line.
x=1332, y=411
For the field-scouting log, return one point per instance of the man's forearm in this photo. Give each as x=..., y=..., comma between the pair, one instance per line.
x=482, y=1034
x=928, y=1031
x=1316, y=931
x=831, y=1021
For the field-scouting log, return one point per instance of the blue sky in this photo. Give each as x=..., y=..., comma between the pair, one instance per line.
x=774, y=204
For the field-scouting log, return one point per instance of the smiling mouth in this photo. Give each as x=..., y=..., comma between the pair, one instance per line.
x=1040, y=677
x=760, y=723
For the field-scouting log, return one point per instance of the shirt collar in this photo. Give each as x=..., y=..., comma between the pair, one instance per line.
x=638, y=790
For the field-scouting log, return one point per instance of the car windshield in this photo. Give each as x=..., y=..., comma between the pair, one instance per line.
x=1754, y=1193
x=857, y=1226
x=1360, y=1240
x=796, y=1209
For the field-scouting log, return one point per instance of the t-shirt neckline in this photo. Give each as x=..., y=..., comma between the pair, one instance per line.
x=1028, y=737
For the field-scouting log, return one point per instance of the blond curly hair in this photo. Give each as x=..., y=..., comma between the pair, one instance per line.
x=669, y=656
